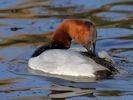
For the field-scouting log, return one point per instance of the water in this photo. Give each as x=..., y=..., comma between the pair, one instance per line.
x=26, y=24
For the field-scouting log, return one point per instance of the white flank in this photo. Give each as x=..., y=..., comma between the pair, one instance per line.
x=65, y=62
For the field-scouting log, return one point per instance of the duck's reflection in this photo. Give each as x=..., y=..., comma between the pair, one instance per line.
x=61, y=92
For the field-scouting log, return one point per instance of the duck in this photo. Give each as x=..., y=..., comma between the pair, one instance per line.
x=58, y=58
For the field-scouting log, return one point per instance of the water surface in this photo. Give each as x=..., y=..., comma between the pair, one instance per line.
x=26, y=24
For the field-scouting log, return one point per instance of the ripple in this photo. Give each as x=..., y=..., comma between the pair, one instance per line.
x=25, y=24
x=19, y=39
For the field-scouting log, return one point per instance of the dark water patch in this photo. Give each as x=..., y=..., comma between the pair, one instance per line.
x=63, y=8
x=19, y=39
x=33, y=98
x=111, y=93
x=9, y=82
x=128, y=7
x=118, y=44
x=129, y=37
x=15, y=28
x=121, y=49
x=35, y=26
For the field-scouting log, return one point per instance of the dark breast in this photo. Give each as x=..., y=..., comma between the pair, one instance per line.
x=40, y=50
x=45, y=47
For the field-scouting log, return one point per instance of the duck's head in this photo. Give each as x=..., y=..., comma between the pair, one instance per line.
x=81, y=31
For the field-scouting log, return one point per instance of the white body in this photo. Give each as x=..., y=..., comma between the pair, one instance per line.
x=65, y=62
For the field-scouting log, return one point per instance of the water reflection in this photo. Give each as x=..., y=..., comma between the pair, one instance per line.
x=25, y=24
x=27, y=39
x=9, y=82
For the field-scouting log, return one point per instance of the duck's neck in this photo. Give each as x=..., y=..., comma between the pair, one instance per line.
x=61, y=36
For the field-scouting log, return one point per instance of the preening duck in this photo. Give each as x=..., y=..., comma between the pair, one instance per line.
x=57, y=58
x=81, y=31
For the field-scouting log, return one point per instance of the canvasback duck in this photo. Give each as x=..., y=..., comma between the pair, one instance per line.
x=57, y=58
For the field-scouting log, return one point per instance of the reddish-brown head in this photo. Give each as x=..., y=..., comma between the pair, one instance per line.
x=81, y=31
